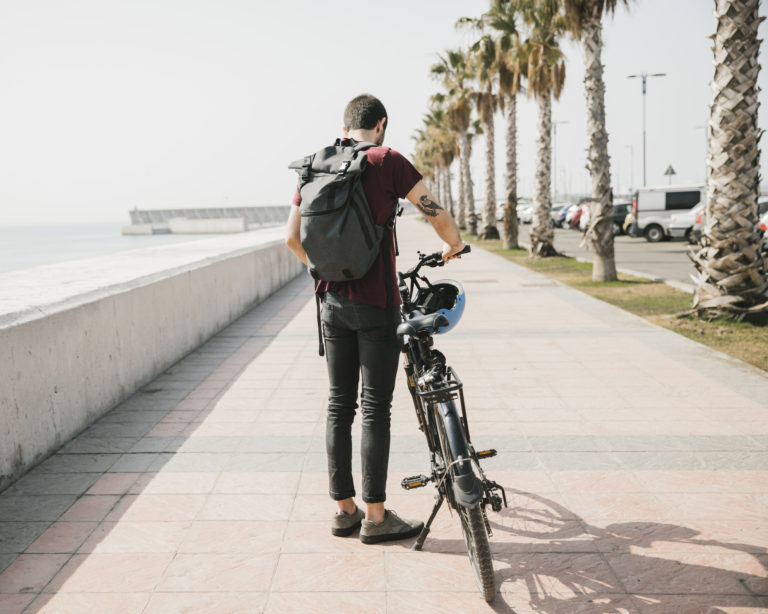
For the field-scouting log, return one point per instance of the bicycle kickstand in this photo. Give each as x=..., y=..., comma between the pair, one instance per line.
x=425, y=531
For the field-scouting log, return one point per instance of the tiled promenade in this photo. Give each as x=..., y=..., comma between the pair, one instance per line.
x=635, y=461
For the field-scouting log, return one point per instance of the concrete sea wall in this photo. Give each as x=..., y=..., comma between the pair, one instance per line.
x=77, y=338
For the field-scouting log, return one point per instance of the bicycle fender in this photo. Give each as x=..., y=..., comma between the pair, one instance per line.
x=466, y=487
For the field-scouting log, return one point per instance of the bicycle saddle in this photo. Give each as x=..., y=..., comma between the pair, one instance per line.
x=418, y=323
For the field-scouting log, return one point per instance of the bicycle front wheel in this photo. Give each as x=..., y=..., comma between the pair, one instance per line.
x=472, y=519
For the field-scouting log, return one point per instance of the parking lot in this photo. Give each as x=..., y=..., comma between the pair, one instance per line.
x=666, y=260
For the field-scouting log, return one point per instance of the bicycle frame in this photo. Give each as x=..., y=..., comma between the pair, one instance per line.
x=435, y=389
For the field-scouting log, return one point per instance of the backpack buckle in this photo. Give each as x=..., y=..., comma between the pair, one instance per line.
x=343, y=168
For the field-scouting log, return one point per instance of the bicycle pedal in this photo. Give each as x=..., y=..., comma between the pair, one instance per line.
x=487, y=454
x=417, y=481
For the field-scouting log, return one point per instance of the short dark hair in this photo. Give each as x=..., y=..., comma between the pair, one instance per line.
x=364, y=112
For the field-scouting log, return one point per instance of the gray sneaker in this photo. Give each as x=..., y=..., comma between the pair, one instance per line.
x=343, y=524
x=391, y=528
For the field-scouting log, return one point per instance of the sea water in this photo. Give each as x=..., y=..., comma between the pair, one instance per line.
x=23, y=247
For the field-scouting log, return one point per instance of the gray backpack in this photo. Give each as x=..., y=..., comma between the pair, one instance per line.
x=338, y=231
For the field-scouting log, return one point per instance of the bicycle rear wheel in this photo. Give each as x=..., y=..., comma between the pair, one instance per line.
x=472, y=520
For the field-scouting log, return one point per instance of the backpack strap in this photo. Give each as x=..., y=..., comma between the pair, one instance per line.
x=321, y=345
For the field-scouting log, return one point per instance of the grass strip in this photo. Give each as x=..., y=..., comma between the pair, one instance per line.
x=652, y=300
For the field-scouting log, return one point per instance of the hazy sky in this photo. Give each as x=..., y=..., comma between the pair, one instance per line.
x=110, y=104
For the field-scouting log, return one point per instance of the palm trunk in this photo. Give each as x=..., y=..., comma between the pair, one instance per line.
x=469, y=198
x=438, y=184
x=732, y=271
x=489, y=229
x=542, y=233
x=510, y=179
x=448, y=192
x=599, y=231
x=461, y=217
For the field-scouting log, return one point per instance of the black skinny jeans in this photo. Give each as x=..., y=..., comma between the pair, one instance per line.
x=359, y=339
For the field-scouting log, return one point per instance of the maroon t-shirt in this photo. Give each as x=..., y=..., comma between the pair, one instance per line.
x=388, y=177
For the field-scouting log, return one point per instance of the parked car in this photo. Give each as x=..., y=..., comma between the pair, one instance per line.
x=556, y=209
x=681, y=224
x=525, y=213
x=652, y=208
x=561, y=216
x=620, y=211
x=701, y=220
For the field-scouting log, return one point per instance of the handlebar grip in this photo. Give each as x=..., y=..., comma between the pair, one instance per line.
x=466, y=250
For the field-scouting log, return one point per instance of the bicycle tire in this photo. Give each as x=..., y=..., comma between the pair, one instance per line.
x=471, y=519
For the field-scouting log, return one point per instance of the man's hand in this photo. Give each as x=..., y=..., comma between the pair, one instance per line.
x=452, y=251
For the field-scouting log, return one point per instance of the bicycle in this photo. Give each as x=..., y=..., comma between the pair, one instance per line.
x=428, y=309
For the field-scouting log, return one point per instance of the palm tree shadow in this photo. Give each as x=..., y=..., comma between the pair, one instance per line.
x=551, y=558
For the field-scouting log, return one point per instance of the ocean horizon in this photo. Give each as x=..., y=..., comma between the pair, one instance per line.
x=25, y=247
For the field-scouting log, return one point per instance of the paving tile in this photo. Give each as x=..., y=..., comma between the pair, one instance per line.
x=708, y=604
x=330, y=572
x=90, y=508
x=210, y=572
x=29, y=573
x=265, y=462
x=263, y=482
x=338, y=602
x=246, y=507
x=90, y=603
x=174, y=483
x=53, y=484
x=99, y=445
x=135, y=537
x=156, y=507
x=563, y=576
x=211, y=536
x=110, y=573
x=192, y=603
x=62, y=537
x=14, y=604
x=593, y=603
x=429, y=571
x=193, y=462
x=77, y=463
x=596, y=481
x=17, y=536
x=688, y=574
x=33, y=507
x=6, y=559
x=135, y=462
x=113, y=484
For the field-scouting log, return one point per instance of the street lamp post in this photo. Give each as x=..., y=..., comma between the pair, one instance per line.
x=554, y=156
x=645, y=76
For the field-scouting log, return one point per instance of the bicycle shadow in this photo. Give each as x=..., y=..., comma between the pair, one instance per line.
x=550, y=560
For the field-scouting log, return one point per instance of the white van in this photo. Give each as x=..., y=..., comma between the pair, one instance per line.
x=652, y=208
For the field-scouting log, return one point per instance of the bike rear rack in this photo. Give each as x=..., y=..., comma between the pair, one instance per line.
x=453, y=388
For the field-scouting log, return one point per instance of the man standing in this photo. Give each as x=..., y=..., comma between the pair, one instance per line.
x=359, y=327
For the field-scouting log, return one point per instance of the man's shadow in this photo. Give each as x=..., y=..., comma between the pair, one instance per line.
x=566, y=565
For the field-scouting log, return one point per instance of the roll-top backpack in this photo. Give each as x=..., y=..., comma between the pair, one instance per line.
x=338, y=231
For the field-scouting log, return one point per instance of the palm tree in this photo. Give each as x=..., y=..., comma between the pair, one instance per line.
x=483, y=60
x=454, y=71
x=497, y=61
x=585, y=21
x=502, y=17
x=732, y=270
x=545, y=75
x=436, y=148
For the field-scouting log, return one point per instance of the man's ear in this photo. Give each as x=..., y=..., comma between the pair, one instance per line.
x=345, y=131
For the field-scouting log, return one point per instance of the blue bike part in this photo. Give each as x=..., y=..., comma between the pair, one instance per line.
x=445, y=296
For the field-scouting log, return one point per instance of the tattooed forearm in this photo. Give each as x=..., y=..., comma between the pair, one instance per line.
x=428, y=206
